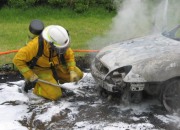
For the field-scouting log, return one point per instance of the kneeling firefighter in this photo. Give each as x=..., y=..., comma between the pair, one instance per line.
x=49, y=57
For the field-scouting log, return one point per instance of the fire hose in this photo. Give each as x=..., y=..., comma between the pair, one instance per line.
x=75, y=50
x=9, y=67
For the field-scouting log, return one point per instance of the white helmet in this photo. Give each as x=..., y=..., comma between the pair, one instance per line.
x=57, y=36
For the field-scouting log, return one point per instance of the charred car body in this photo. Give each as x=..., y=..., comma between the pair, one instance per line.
x=149, y=64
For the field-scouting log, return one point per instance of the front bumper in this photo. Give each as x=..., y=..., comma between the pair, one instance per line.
x=113, y=81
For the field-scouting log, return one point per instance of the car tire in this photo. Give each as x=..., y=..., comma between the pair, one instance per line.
x=171, y=96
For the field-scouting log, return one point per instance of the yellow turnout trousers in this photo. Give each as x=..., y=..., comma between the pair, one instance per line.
x=49, y=91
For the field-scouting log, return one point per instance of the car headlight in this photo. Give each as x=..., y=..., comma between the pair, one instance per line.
x=100, y=67
x=116, y=76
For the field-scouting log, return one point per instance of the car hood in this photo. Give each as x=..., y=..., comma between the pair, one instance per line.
x=138, y=50
x=153, y=58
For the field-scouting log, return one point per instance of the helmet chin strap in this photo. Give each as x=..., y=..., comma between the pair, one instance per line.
x=52, y=45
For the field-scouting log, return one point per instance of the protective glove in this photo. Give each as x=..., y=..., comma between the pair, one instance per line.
x=73, y=76
x=30, y=83
x=33, y=78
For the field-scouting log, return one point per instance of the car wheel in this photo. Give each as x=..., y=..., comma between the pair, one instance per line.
x=171, y=96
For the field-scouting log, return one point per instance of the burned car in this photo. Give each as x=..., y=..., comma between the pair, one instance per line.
x=149, y=64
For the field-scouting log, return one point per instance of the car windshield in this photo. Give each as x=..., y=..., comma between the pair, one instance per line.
x=173, y=34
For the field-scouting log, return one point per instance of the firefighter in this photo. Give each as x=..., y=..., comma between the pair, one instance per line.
x=55, y=64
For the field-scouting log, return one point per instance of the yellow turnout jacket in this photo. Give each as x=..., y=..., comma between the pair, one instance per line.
x=42, y=70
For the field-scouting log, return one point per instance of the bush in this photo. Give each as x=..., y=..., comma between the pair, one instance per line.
x=21, y=3
x=78, y=6
x=58, y=3
x=3, y=3
x=81, y=6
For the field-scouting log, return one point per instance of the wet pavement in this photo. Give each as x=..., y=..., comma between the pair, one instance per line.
x=97, y=113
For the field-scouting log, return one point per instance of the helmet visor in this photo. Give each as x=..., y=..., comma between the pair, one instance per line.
x=61, y=50
x=58, y=49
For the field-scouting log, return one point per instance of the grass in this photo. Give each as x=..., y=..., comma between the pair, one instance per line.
x=14, y=25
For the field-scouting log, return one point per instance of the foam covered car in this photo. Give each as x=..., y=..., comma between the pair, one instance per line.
x=149, y=64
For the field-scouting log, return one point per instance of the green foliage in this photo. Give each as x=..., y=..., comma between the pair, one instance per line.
x=58, y=3
x=21, y=3
x=79, y=6
x=3, y=3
